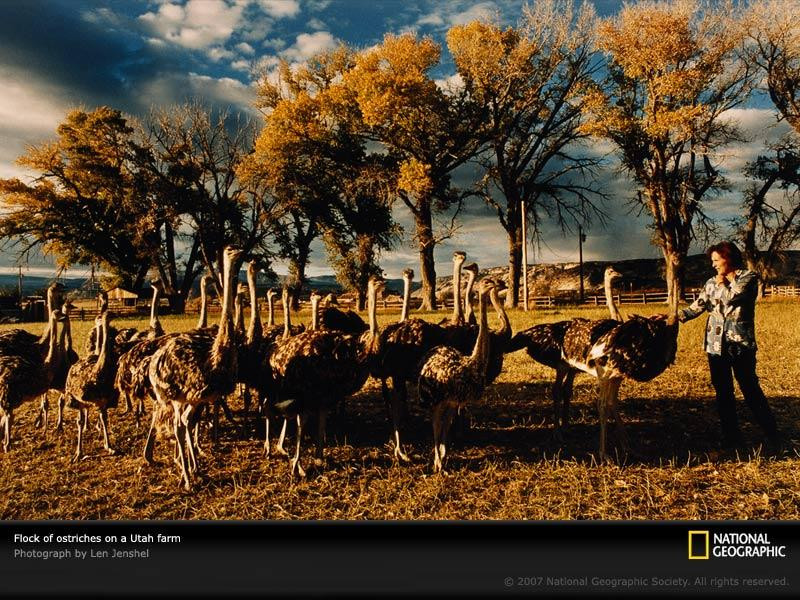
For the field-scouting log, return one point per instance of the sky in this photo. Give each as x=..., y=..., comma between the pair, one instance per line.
x=136, y=54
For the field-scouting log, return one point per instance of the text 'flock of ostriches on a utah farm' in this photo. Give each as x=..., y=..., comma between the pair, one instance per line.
x=296, y=372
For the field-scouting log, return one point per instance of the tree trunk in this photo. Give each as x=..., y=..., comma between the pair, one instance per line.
x=674, y=276
x=514, y=263
x=360, y=299
x=427, y=243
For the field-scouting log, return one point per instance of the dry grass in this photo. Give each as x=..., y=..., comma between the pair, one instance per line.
x=507, y=466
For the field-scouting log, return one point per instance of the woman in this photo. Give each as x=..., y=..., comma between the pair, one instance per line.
x=730, y=342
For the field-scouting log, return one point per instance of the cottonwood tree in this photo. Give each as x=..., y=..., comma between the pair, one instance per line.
x=312, y=156
x=86, y=201
x=770, y=222
x=192, y=156
x=528, y=78
x=673, y=73
x=430, y=129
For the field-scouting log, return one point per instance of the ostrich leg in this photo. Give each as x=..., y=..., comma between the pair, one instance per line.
x=179, y=431
x=150, y=441
x=104, y=425
x=81, y=422
x=398, y=412
x=295, y=462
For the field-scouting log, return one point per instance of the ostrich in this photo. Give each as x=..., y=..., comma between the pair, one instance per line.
x=317, y=369
x=472, y=274
x=68, y=357
x=193, y=369
x=90, y=382
x=401, y=347
x=450, y=380
x=314, y=299
x=131, y=377
x=254, y=347
x=544, y=343
x=274, y=341
x=639, y=349
x=26, y=374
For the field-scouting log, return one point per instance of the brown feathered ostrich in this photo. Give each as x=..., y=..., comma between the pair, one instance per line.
x=544, y=344
x=131, y=380
x=193, y=369
x=67, y=358
x=610, y=351
x=312, y=372
x=25, y=374
x=450, y=380
x=401, y=347
x=90, y=382
x=269, y=392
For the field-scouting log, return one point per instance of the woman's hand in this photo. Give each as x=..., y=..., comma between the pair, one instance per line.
x=731, y=276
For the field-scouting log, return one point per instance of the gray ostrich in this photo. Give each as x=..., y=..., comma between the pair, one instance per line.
x=450, y=380
x=25, y=372
x=194, y=369
x=90, y=382
x=544, y=344
x=315, y=370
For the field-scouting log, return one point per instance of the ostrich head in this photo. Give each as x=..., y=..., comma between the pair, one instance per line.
x=611, y=274
x=271, y=294
x=408, y=275
x=459, y=257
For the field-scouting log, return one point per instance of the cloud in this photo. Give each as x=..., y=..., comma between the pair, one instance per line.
x=195, y=25
x=280, y=8
x=315, y=23
x=245, y=48
x=171, y=88
x=217, y=53
x=308, y=44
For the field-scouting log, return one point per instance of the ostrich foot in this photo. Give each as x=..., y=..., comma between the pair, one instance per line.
x=281, y=451
x=296, y=468
x=401, y=456
x=111, y=451
x=78, y=457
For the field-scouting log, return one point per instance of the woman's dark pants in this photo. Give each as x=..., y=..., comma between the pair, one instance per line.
x=740, y=362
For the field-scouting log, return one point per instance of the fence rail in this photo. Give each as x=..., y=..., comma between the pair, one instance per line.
x=542, y=301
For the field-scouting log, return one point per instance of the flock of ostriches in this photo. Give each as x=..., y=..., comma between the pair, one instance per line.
x=297, y=373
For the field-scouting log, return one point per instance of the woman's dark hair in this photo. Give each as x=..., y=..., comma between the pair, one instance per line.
x=729, y=252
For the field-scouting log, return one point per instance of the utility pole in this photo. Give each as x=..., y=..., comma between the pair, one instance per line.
x=524, y=259
x=581, y=239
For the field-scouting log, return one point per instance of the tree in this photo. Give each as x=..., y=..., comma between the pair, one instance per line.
x=775, y=225
x=673, y=72
x=528, y=78
x=312, y=155
x=367, y=226
x=192, y=156
x=774, y=48
x=428, y=129
x=86, y=203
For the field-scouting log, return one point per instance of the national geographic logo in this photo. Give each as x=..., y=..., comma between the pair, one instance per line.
x=703, y=545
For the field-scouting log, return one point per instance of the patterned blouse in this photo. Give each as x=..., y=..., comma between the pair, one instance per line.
x=732, y=311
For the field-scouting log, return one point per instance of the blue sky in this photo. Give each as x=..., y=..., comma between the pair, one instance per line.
x=132, y=55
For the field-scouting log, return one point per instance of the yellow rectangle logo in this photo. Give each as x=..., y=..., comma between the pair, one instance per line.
x=698, y=545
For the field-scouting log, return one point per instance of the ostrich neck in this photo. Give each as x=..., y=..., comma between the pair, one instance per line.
x=52, y=342
x=271, y=305
x=458, y=317
x=105, y=347
x=372, y=308
x=238, y=315
x=223, y=342
x=314, y=313
x=255, y=329
x=480, y=353
x=505, y=324
x=467, y=296
x=406, y=299
x=287, y=319
x=44, y=339
x=202, y=322
x=154, y=309
x=612, y=307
